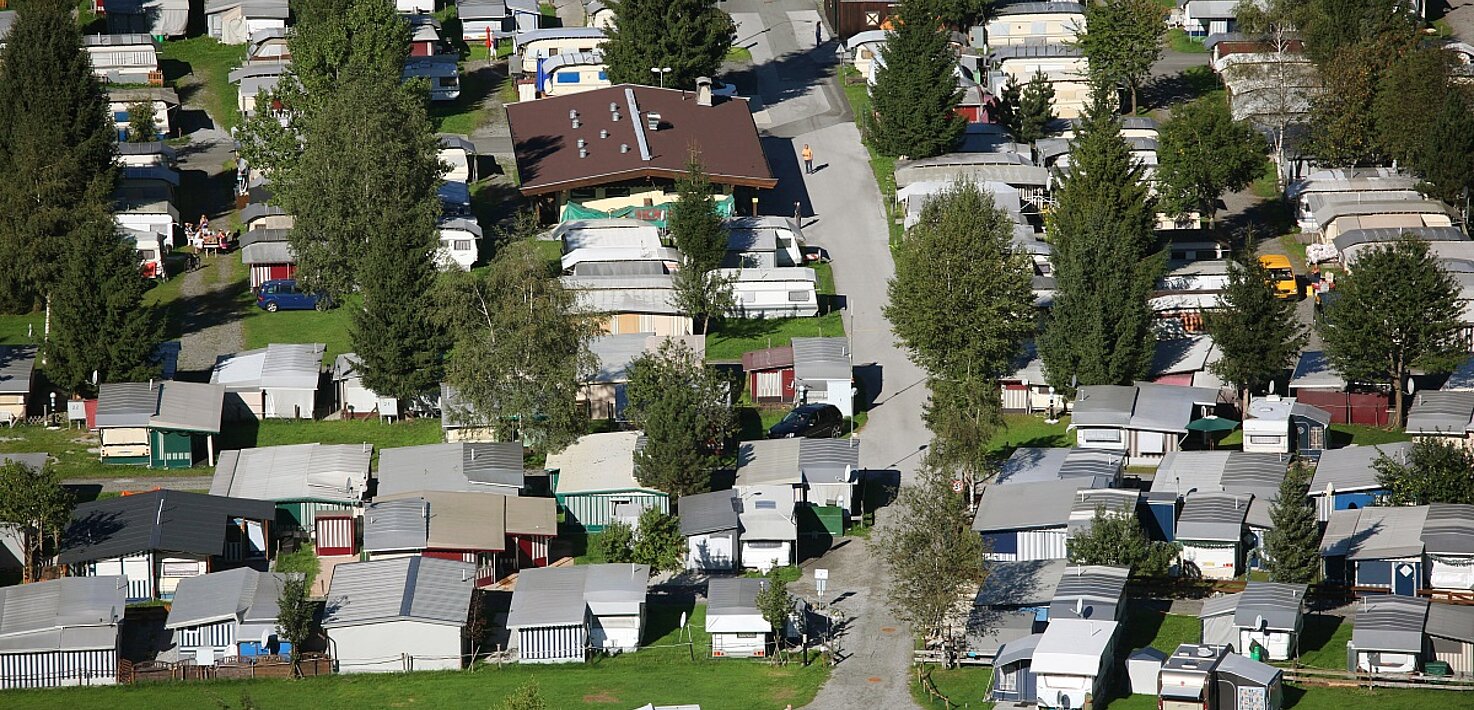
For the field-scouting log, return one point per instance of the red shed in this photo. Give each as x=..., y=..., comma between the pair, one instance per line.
x=335, y=534
x=769, y=374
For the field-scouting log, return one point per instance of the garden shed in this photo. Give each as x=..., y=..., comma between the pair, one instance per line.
x=17, y=367
x=1262, y=622
x=1345, y=480
x=1448, y=542
x=1388, y=634
x=1095, y=592
x=710, y=525
x=301, y=479
x=230, y=613
x=1245, y=684
x=559, y=614
x=278, y=381
x=1211, y=530
x=1450, y=631
x=159, y=424
x=463, y=466
x=401, y=614
x=1072, y=662
x=736, y=626
x=62, y=632
x=1379, y=547
x=595, y=474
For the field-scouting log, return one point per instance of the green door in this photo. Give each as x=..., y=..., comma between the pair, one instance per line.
x=170, y=449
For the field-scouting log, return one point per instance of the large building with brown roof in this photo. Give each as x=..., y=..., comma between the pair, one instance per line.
x=630, y=142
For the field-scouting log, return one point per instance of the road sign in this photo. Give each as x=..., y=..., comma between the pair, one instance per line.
x=821, y=581
x=821, y=574
x=956, y=486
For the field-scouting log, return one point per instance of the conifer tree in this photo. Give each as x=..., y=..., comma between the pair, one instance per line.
x=684, y=409
x=1099, y=332
x=1258, y=335
x=693, y=221
x=98, y=320
x=1036, y=108
x=56, y=147
x=1010, y=114
x=141, y=125
x=691, y=37
x=1293, y=544
x=915, y=95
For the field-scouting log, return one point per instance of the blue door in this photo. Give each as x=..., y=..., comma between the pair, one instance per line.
x=1405, y=578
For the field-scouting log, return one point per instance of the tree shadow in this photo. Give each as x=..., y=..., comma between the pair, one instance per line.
x=663, y=613
x=1185, y=85
x=791, y=190
x=1318, y=631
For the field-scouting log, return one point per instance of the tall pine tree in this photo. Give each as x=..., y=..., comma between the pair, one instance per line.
x=98, y=322
x=1035, y=108
x=694, y=223
x=1293, y=544
x=915, y=95
x=1257, y=334
x=691, y=37
x=56, y=147
x=1099, y=332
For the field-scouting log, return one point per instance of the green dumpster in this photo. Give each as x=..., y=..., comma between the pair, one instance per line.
x=1437, y=668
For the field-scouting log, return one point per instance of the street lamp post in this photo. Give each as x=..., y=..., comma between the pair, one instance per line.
x=662, y=71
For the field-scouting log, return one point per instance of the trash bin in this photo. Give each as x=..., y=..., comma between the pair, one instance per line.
x=1437, y=668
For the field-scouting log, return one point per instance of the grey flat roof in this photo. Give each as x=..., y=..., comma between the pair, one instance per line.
x=1249, y=669
x=732, y=595
x=1098, y=589
x=17, y=363
x=1039, y=8
x=1350, y=468
x=1033, y=51
x=817, y=359
x=453, y=467
x=1280, y=605
x=395, y=525
x=423, y=589
x=795, y=461
x=1376, y=235
x=1213, y=516
x=708, y=512
x=242, y=594
x=1020, y=584
x=1028, y=505
x=1031, y=464
x=295, y=365
x=1449, y=529
x=1103, y=405
x=1388, y=622
x=164, y=520
x=1451, y=621
x=67, y=614
x=1168, y=407
x=1314, y=371
x=1375, y=533
x=1440, y=412
x=326, y=472
x=563, y=596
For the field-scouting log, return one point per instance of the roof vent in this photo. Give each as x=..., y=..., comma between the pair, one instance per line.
x=573, y=117
x=614, y=117
x=603, y=133
x=652, y=121
x=624, y=147
x=583, y=152
x=613, y=107
x=582, y=143
x=703, y=91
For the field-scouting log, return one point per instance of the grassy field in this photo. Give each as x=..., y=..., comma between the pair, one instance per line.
x=25, y=328
x=210, y=62
x=466, y=114
x=666, y=676
x=740, y=335
x=277, y=432
x=739, y=54
x=1296, y=250
x=1029, y=430
x=959, y=685
x=1348, y=434
x=330, y=327
x=1267, y=185
x=1323, y=642
x=75, y=452
x=1178, y=40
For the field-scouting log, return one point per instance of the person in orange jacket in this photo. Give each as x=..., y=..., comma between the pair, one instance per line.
x=808, y=156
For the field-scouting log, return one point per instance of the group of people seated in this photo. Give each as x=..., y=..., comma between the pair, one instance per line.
x=204, y=239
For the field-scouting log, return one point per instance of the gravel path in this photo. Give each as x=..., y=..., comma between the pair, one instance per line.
x=144, y=483
x=212, y=325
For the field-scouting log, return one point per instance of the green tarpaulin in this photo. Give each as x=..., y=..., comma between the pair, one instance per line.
x=654, y=213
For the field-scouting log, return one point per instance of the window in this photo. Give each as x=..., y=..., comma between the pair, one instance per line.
x=747, y=636
x=461, y=245
x=764, y=545
x=147, y=254
x=1101, y=435
x=798, y=296
x=616, y=192
x=603, y=75
x=766, y=505
x=120, y=116
x=566, y=77
x=1266, y=439
x=582, y=193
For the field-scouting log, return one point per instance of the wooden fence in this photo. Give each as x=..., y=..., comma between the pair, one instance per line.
x=1347, y=679
x=231, y=667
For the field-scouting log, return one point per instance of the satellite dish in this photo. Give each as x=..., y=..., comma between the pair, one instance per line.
x=1259, y=623
x=1079, y=607
x=683, y=620
x=1271, y=386
x=1411, y=386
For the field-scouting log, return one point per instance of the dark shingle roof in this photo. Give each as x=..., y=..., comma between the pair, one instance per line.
x=708, y=512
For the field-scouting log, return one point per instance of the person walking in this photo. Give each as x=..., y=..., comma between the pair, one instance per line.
x=808, y=156
x=818, y=33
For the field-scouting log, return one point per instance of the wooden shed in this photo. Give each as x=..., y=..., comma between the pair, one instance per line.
x=769, y=374
x=336, y=533
x=850, y=17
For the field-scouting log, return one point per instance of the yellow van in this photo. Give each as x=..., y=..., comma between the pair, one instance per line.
x=1281, y=275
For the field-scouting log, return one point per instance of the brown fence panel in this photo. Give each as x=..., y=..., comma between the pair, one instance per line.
x=1370, y=409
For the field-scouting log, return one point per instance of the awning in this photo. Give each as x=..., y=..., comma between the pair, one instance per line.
x=1212, y=424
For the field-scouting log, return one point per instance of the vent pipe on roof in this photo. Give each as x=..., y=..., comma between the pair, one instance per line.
x=613, y=107
x=582, y=143
x=614, y=117
x=603, y=133
x=624, y=147
x=652, y=120
x=583, y=152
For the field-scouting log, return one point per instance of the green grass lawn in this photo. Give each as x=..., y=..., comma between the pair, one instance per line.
x=466, y=114
x=664, y=676
x=383, y=435
x=1267, y=185
x=739, y=54
x=964, y=685
x=1296, y=249
x=329, y=327
x=24, y=328
x=1348, y=434
x=1178, y=40
x=739, y=335
x=1164, y=632
x=1323, y=641
x=210, y=62
x=1021, y=430
x=73, y=460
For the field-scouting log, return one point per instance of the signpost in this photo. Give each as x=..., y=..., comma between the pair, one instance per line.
x=821, y=581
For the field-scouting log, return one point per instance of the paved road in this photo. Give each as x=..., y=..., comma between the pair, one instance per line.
x=1460, y=17
x=799, y=103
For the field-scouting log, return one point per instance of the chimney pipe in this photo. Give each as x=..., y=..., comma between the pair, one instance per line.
x=603, y=133
x=703, y=91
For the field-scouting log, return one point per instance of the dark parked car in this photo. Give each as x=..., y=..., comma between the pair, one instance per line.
x=811, y=421
x=283, y=295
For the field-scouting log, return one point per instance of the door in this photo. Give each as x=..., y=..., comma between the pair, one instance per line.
x=1405, y=579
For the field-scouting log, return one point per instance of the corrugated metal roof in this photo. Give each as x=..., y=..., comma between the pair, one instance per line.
x=1439, y=412
x=126, y=404
x=1033, y=51
x=460, y=466
x=1350, y=468
x=456, y=521
x=1336, y=210
x=325, y=472
x=1249, y=669
x=598, y=462
x=708, y=512
x=1039, y=8
x=796, y=461
x=17, y=363
x=1388, y=622
x=1103, y=405
x=1377, y=235
x=1168, y=407
x=294, y=365
x=1213, y=516
x=1032, y=464
x=1449, y=529
x=1029, y=505
x=1118, y=502
x=1098, y=589
x=192, y=406
x=67, y=614
x=732, y=595
x=564, y=596
x=425, y=589
x=1451, y=621
x=1279, y=605
x=1314, y=371
x=164, y=520
x=241, y=594
x=263, y=252
x=818, y=359
x=394, y=525
x=1220, y=605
